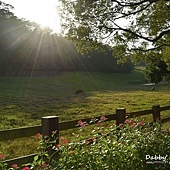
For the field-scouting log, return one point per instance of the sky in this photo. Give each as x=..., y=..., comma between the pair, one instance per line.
x=44, y=12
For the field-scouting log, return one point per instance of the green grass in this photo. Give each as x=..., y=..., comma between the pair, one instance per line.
x=24, y=100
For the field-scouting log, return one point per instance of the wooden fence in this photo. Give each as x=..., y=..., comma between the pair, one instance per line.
x=51, y=123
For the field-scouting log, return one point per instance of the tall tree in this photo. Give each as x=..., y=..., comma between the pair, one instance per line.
x=133, y=28
x=5, y=15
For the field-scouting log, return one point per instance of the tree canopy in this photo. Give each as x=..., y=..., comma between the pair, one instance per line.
x=135, y=29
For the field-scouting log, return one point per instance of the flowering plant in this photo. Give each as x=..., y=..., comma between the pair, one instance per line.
x=131, y=145
x=39, y=162
x=123, y=147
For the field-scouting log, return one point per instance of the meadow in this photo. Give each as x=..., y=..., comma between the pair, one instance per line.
x=25, y=100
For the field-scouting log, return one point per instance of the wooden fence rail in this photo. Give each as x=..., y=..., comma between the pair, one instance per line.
x=51, y=123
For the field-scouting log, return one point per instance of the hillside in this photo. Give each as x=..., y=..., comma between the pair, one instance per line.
x=24, y=100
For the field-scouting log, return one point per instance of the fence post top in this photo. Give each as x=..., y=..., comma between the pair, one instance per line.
x=49, y=117
x=121, y=108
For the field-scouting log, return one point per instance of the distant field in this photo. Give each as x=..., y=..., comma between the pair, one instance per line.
x=24, y=100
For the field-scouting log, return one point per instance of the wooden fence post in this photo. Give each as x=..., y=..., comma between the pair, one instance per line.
x=156, y=113
x=120, y=116
x=50, y=124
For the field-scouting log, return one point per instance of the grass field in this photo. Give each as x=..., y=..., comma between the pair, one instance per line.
x=24, y=100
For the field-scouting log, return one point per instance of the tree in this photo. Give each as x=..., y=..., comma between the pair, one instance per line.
x=156, y=72
x=5, y=15
x=5, y=10
x=133, y=28
x=157, y=69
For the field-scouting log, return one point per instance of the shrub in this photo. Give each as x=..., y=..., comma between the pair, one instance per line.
x=128, y=147
x=133, y=145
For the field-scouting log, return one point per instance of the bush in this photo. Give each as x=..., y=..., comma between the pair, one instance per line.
x=131, y=146
x=125, y=148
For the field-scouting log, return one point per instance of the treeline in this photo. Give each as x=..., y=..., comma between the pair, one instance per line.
x=25, y=48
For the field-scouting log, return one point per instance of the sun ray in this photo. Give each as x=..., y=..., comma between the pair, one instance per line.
x=37, y=54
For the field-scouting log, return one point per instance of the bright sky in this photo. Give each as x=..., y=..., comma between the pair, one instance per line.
x=44, y=12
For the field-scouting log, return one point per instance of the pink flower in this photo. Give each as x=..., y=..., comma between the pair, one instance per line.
x=58, y=145
x=129, y=122
x=65, y=141
x=14, y=166
x=80, y=123
x=2, y=156
x=103, y=118
x=26, y=168
x=141, y=123
x=38, y=135
x=121, y=125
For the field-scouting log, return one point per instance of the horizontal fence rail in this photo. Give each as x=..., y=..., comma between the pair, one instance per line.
x=164, y=108
x=52, y=123
x=19, y=133
x=21, y=160
x=72, y=124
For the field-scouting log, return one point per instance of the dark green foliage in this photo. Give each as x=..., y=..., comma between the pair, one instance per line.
x=153, y=74
x=102, y=62
x=156, y=71
x=132, y=28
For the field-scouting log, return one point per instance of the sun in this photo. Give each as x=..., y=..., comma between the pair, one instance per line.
x=43, y=12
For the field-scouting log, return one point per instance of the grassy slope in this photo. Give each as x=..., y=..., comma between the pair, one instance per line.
x=24, y=100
